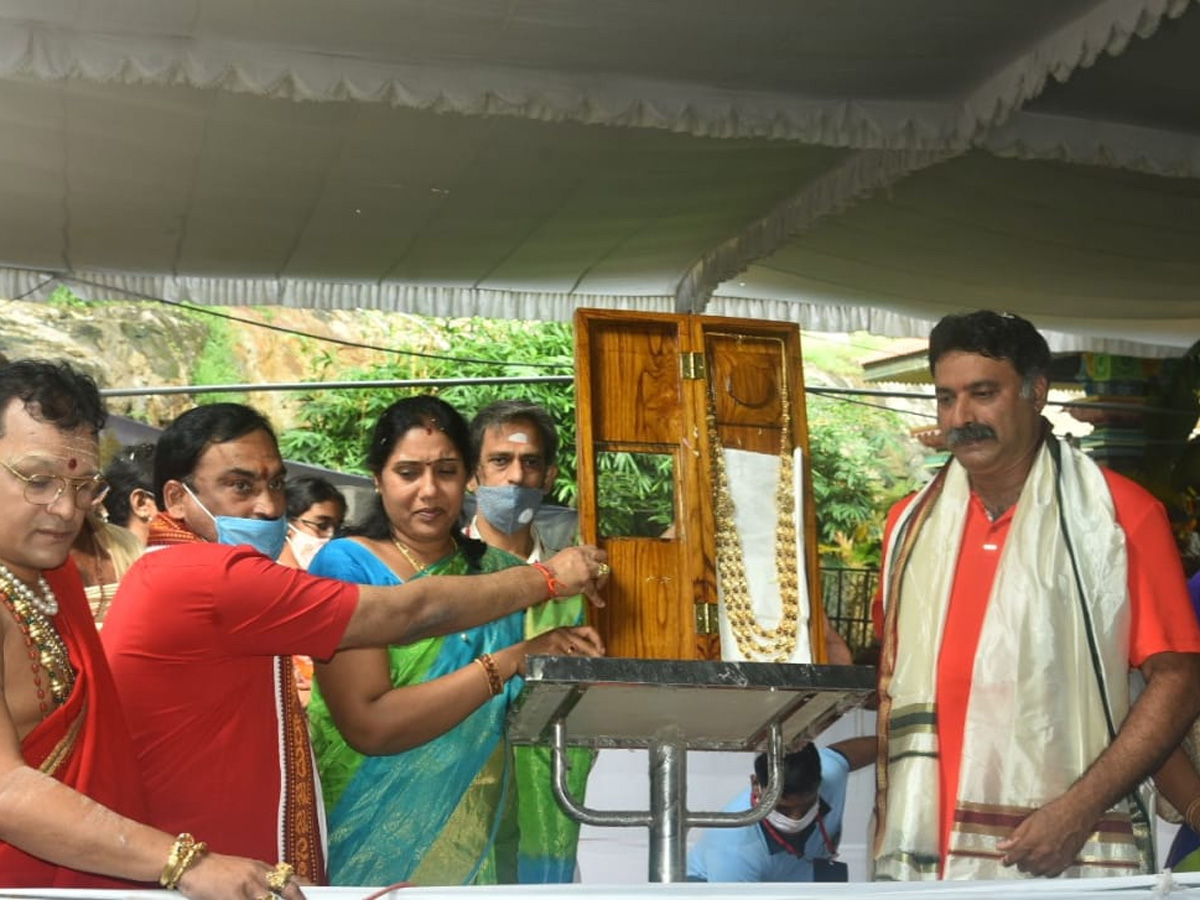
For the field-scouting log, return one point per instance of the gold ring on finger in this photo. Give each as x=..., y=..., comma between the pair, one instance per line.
x=602, y=570
x=279, y=876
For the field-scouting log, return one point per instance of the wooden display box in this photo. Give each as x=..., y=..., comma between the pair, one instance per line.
x=644, y=384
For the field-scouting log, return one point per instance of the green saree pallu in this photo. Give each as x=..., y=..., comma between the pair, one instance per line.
x=442, y=813
x=549, y=838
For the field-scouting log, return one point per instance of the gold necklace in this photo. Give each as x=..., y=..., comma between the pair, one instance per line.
x=407, y=554
x=413, y=560
x=45, y=645
x=753, y=641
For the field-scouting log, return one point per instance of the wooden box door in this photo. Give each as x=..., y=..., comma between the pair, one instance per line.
x=645, y=385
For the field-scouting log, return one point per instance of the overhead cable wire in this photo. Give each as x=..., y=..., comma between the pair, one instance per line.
x=294, y=332
x=314, y=386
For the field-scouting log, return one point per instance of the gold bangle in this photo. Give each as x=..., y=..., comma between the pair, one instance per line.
x=185, y=853
x=492, y=672
x=1188, y=817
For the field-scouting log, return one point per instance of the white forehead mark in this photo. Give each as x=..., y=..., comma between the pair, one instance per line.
x=519, y=437
x=71, y=454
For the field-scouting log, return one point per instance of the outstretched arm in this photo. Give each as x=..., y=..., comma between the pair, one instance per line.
x=441, y=604
x=1047, y=841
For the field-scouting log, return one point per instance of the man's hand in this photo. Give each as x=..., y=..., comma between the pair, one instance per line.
x=1046, y=843
x=220, y=877
x=580, y=570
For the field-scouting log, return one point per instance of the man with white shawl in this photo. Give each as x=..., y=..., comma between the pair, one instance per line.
x=1020, y=590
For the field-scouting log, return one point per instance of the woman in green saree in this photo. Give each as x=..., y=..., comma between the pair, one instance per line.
x=410, y=740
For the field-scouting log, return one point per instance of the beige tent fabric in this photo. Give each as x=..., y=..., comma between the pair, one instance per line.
x=865, y=161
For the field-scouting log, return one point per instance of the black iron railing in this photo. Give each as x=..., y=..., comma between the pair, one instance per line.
x=847, y=595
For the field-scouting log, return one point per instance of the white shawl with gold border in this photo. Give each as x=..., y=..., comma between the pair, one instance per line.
x=1045, y=696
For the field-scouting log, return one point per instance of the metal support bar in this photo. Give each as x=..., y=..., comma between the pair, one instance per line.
x=668, y=818
x=577, y=811
x=766, y=800
x=668, y=805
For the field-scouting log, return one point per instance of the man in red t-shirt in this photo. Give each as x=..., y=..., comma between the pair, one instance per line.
x=1019, y=589
x=202, y=630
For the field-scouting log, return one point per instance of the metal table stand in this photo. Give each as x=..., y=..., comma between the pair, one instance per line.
x=670, y=707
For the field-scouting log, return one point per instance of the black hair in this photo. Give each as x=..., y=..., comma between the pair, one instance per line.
x=131, y=469
x=995, y=335
x=305, y=490
x=184, y=441
x=55, y=393
x=801, y=771
x=502, y=412
x=422, y=411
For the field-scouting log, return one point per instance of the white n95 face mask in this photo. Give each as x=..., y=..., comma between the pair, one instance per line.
x=305, y=546
x=787, y=825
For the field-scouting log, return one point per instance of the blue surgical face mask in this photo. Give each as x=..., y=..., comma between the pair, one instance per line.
x=267, y=536
x=508, y=507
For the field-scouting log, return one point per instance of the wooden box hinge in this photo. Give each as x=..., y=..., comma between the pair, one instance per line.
x=692, y=366
x=706, y=618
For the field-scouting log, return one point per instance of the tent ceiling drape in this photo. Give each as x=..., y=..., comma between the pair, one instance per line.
x=841, y=163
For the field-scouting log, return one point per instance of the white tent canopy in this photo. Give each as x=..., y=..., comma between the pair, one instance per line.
x=840, y=163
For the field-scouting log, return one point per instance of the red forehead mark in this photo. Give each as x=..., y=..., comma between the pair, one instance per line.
x=429, y=429
x=72, y=463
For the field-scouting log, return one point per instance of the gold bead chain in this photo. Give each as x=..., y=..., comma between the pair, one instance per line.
x=46, y=647
x=753, y=641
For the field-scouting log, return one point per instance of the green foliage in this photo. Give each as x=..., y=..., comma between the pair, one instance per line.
x=635, y=493
x=64, y=296
x=217, y=363
x=337, y=423
x=859, y=458
x=859, y=467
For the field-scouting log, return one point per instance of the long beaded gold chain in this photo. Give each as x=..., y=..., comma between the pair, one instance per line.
x=753, y=641
x=46, y=648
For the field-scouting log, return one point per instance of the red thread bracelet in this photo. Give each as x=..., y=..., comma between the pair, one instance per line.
x=555, y=587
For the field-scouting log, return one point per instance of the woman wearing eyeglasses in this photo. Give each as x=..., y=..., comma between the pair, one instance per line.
x=315, y=511
x=415, y=769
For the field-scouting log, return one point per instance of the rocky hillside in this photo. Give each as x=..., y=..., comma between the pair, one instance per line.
x=145, y=345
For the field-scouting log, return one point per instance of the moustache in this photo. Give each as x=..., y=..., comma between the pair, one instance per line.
x=968, y=434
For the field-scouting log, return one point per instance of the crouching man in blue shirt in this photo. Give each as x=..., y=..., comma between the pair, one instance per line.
x=798, y=840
